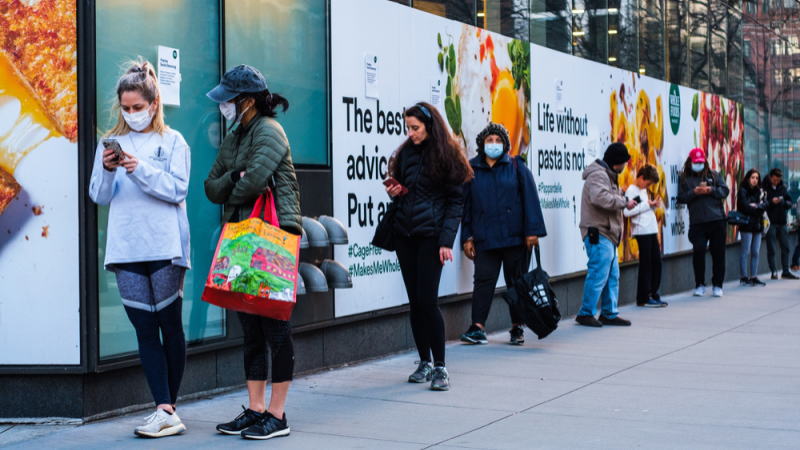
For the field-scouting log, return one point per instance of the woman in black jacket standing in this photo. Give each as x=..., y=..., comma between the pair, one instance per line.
x=429, y=170
x=703, y=191
x=750, y=203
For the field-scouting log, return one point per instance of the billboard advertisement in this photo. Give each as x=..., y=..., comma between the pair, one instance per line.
x=561, y=111
x=39, y=246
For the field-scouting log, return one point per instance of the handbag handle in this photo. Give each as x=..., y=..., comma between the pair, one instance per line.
x=538, y=256
x=265, y=209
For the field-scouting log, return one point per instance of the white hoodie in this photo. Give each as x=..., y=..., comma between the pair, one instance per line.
x=643, y=219
x=147, y=220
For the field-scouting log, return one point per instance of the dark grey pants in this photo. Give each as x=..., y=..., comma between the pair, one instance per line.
x=777, y=234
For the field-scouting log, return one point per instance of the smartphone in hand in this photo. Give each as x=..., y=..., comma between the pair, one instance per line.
x=637, y=199
x=113, y=144
x=391, y=182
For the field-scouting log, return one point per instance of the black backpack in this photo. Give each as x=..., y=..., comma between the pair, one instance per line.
x=534, y=300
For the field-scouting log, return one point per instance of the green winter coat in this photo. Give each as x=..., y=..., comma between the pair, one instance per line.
x=261, y=149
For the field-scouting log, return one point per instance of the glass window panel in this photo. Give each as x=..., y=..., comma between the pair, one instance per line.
x=699, y=41
x=623, y=33
x=193, y=28
x=735, y=56
x=590, y=30
x=507, y=17
x=718, y=51
x=677, y=28
x=287, y=41
x=651, y=38
x=460, y=10
x=550, y=24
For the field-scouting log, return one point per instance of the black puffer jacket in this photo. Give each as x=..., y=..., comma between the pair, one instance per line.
x=703, y=208
x=431, y=208
x=777, y=211
x=745, y=201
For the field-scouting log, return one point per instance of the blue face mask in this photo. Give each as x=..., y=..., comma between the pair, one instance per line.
x=493, y=151
x=698, y=167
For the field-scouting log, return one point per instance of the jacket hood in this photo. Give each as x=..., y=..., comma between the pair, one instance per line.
x=598, y=166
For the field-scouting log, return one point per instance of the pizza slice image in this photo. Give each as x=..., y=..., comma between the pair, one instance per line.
x=38, y=70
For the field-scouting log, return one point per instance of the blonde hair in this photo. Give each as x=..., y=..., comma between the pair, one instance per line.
x=139, y=76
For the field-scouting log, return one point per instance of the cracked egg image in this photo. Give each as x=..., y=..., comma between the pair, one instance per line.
x=38, y=82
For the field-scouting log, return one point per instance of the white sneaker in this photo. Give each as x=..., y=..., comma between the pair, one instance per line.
x=717, y=291
x=160, y=424
x=699, y=291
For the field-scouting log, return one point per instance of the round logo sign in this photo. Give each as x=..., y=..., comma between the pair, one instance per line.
x=674, y=108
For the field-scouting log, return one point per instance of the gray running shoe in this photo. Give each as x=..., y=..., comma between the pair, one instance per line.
x=440, y=380
x=423, y=374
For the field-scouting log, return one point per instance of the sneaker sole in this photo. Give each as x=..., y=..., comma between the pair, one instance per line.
x=169, y=431
x=426, y=380
x=516, y=343
x=269, y=436
x=468, y=340
x=440, y=388
x=230, y=433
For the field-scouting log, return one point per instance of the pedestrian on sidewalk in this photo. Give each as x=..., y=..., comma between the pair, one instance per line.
x=704, y=192
x=254, y=155
x=778, y=205
x=501, y=224
x=429, y=171
x=796, y=254
x=602, y=203
x=645, y=230
x=141, y=170
x=751, y=202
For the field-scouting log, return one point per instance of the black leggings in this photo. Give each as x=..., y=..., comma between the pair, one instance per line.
x=258, y=332
x=713, y=235
x=487, y=269
x=422, y=270
x=163, y=364
x=649, y=267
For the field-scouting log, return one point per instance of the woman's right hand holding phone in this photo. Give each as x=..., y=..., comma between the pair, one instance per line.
x=394, y=190
x=110, y=160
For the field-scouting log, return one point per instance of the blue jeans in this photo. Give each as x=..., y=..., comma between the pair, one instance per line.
x=602, y=279
x=751, y=246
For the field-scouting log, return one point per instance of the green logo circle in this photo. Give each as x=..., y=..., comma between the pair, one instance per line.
x=674, y=108
x=175, y=54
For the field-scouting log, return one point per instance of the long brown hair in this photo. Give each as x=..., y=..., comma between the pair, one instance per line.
x=140, y=76
x=446, y=159
x=746, y=181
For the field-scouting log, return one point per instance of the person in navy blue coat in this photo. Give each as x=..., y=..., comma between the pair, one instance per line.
x=502, y=221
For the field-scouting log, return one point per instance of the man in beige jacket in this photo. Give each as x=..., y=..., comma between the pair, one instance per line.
x=602, y=203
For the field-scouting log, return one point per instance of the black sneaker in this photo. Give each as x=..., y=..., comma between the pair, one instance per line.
x=474, y=335
x=774, y=275
x=440, y=380
x=652, y=303
x=616, y=321
x=588, y=321
x=423, y=373
x=267, y=428
x=517, y=335
x=244, y=420
x=656, y=296
x=789, y=276
x=756, y=282
x=745, y=281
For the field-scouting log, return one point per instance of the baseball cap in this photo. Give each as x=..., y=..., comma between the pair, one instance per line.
x=697, y=155
x=240, y=79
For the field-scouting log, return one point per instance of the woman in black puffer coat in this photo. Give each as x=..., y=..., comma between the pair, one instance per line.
x=430, y=168
x=750, y=202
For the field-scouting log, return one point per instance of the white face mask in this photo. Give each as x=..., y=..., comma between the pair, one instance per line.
x=138, y=121
x=228, y=111
x=698, y=167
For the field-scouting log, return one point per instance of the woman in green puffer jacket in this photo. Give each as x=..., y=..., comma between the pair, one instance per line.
x=255, y=155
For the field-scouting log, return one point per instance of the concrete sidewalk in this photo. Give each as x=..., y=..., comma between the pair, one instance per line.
x=702, y=373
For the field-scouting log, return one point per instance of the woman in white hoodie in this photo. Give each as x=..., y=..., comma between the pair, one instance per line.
x=141, y=170
x=645, y=229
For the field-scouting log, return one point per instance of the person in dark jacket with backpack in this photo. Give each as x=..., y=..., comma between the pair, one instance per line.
x=502, y=222
x=428, y=172
x=704, y=191
x=778, y=204
x=750, y=202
